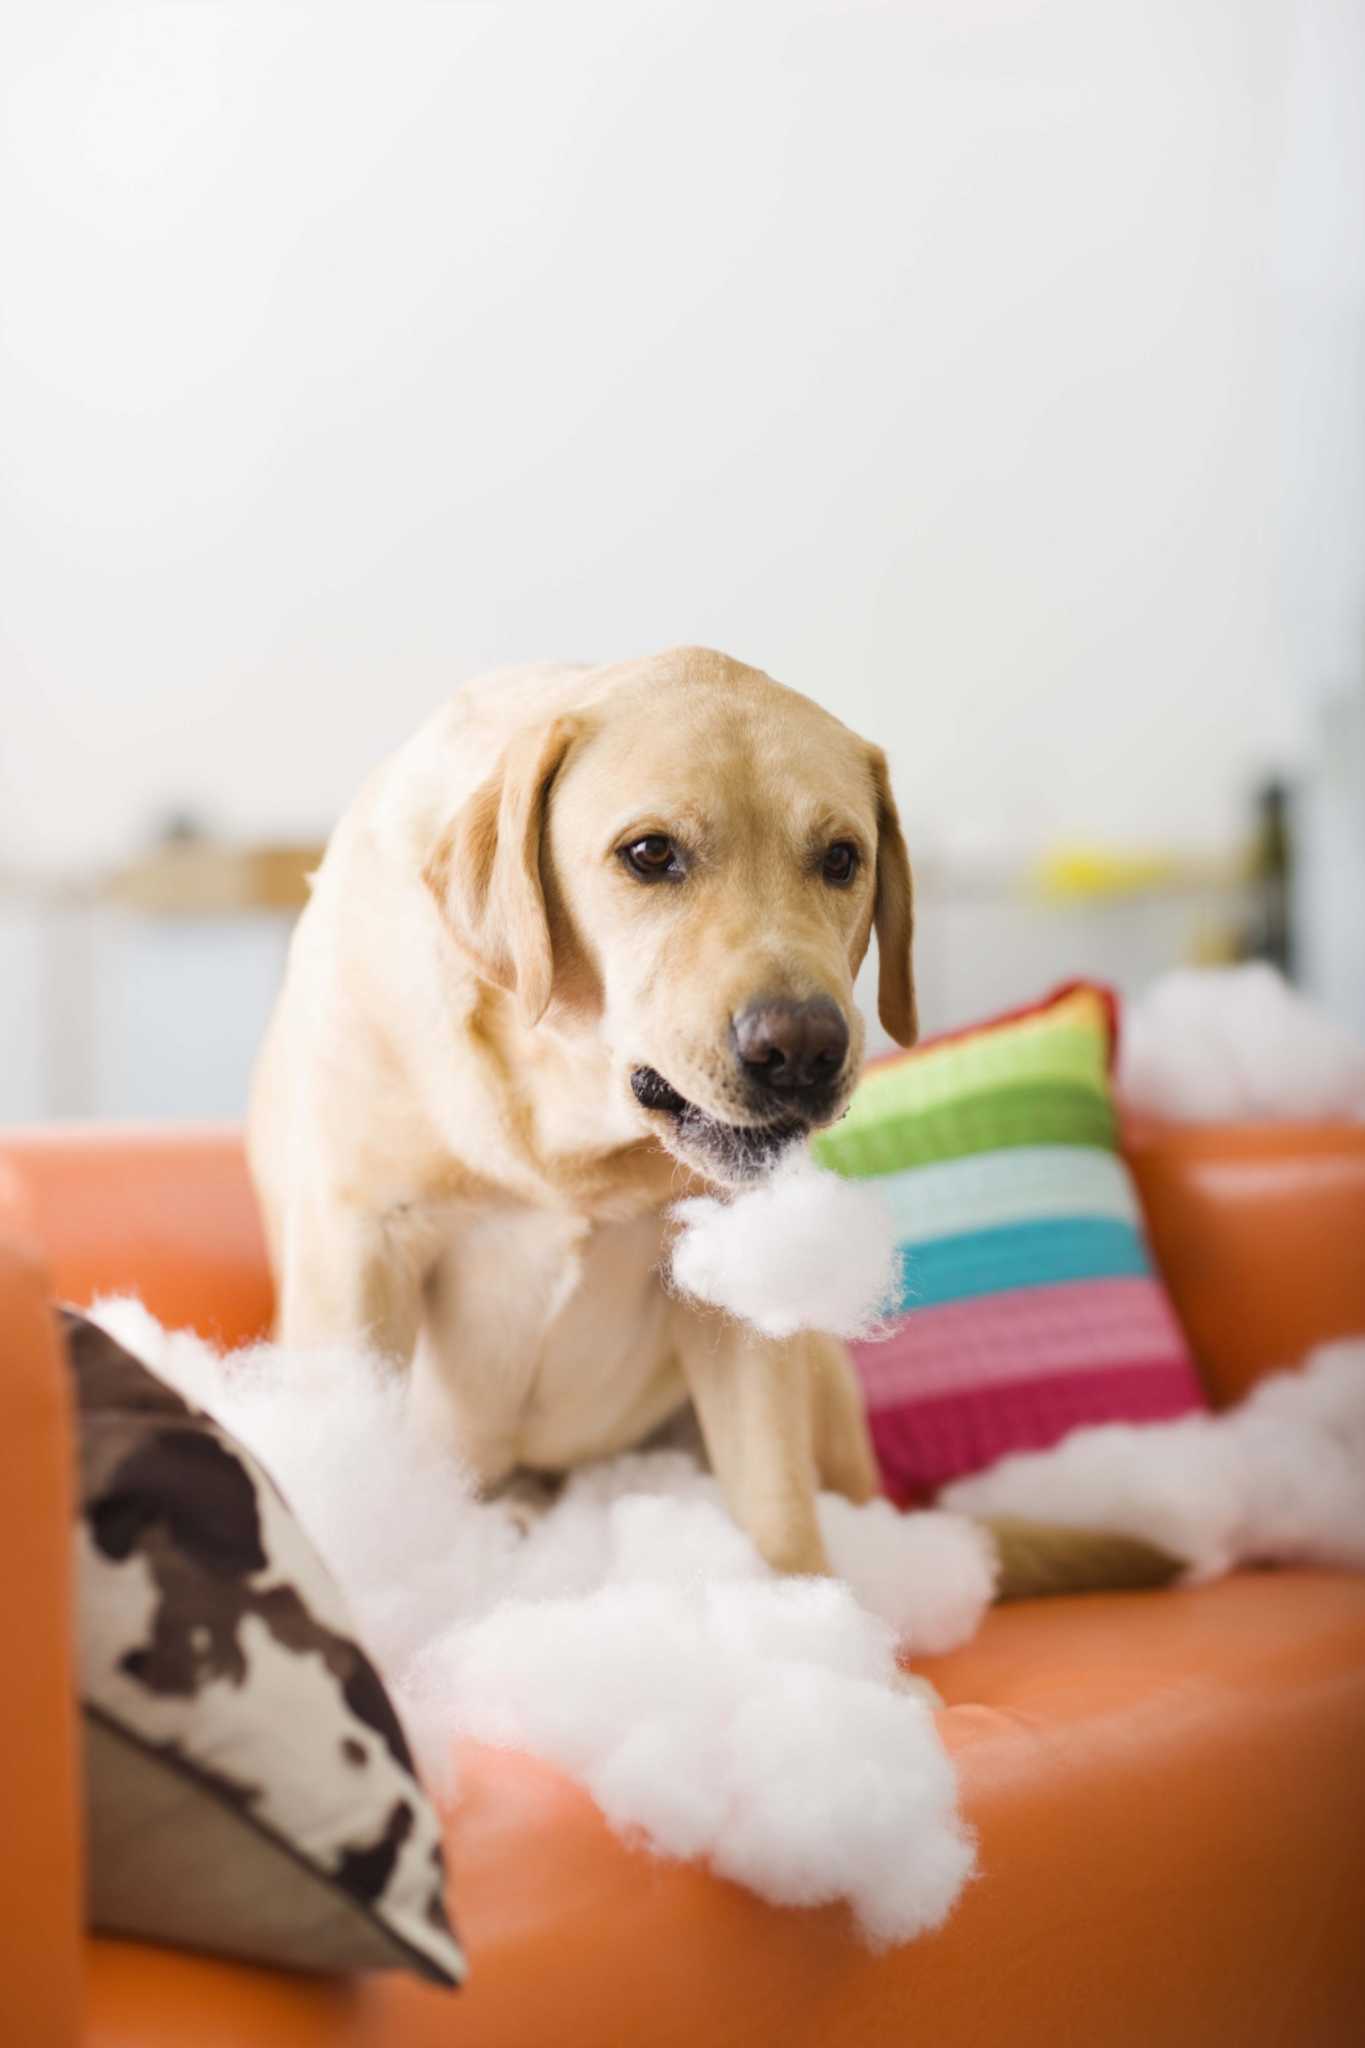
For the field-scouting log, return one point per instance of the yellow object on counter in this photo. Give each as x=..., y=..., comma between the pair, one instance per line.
x=1082, y=872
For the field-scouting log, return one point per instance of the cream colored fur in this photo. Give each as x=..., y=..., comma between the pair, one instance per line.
x=451, y=1160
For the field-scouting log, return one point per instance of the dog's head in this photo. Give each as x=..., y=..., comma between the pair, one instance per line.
x=695, y=863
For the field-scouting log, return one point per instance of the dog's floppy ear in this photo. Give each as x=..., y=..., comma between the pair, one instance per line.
x=894, y=914
x=485, y=871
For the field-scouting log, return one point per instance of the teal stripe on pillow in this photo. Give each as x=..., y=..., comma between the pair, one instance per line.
x=1017, y=1255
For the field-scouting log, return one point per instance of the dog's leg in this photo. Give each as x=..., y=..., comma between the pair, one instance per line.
x=753, y=1397
x=344, y=1280
x=844, y=1457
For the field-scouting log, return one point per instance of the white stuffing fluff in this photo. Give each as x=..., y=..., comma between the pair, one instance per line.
x=632, y=1635
x=1279, y=1479
x=802, y=1250
x=1226, y=1043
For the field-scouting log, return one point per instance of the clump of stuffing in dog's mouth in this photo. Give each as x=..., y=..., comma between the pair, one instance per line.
x=788, y=1247
x=800, y=1250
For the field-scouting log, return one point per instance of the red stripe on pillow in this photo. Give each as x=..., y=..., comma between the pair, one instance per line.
x=1025, y=1333
x=922, y=1445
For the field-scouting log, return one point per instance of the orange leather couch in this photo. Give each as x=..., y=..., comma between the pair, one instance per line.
x=1168, y=1788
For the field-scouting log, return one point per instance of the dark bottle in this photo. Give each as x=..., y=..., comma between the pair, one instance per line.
x=1269, y=935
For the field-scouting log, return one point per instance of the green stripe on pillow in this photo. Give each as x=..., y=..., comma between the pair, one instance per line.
x=1046, y=1113
x=1069, y=1044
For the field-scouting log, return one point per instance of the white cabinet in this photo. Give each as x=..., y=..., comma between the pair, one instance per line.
x=113, y=1013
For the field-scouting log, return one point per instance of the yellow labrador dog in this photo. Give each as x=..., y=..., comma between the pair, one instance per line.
x=584, y=946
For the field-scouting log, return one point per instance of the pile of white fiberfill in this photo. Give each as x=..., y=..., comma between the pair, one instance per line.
x=1225, y=1044
x=632, y=1636
x=1278, y=1480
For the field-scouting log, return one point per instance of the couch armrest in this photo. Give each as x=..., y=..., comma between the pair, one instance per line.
x=162, y=1211
x=1259, y=1231
x=40, y=1876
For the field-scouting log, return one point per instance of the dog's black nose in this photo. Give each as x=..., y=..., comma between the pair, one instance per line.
x=792, y=1048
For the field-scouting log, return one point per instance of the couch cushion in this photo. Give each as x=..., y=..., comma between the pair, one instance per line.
x=1028, y=1302
x=1170, y=1794
x=248, y=1787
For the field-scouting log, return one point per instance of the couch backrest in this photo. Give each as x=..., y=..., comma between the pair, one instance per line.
x=1258, y=1229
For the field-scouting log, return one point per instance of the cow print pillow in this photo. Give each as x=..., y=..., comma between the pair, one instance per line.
x=249, y=1789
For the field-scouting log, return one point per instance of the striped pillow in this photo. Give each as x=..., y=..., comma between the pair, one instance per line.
x=1028, y=1303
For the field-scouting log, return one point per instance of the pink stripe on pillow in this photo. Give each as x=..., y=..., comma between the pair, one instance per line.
x=924, y=1444
x=1028, y=1333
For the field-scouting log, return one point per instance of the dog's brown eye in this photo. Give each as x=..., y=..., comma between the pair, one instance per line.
x=840, y=863
x=653, y=858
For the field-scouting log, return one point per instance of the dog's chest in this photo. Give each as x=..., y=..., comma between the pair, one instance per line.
x=548, y=1338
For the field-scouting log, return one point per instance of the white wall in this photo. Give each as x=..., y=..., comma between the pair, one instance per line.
x=926, y=354
x=1322, y=265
